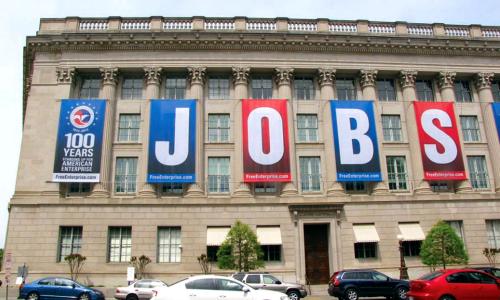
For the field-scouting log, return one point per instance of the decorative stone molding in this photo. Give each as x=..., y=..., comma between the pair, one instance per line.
x=446, y=80
x=152, y=75
x=109, y=76
x=283, y=76
x=368, y=77
x=407, y=78
x=326, y=76
x=65, y=75
x=241, y=75
x=197, y=75
x=483, y=80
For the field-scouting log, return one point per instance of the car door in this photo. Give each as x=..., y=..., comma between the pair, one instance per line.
x=460, y=286
x=64, y=289
x=365, y=284
x=485, y=287
x=231, y=290
x=46, y=288
x=254, y=280
x=142, y=289
x=202, y=289
x=381, y=285
x=270, y=282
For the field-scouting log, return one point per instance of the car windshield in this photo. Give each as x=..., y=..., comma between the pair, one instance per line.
x=431, y=276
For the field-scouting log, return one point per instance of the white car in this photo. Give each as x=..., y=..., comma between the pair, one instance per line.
x=213, y=287
x=139, y=290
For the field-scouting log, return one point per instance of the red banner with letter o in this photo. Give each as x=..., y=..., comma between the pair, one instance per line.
x=266, y=155
x=439, y=143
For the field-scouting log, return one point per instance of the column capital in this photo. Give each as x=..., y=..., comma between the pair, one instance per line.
x=197, y=75
x=65, y=75
x=368, y=77
x=241, y=75
x=152, y=75
x=283, y=76
x=407, y=78
x=446, y=79
x=109, y=76
x=483, y=80
x=326, y=76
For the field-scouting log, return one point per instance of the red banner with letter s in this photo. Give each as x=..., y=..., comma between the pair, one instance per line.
x=266, y=155
x=439, y=143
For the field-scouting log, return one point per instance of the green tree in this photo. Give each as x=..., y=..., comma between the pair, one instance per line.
x=1, y=259
x=240, y=250
x=443, y=246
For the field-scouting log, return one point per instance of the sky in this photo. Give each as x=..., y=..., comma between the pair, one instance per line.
x=19, y=19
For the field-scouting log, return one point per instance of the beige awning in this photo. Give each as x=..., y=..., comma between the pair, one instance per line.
x=216, y=235
x=269, y=235
x=366, y=233
x=411, y=232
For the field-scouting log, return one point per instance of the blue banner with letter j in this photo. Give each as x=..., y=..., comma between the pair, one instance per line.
x=79, y=140
x=172, y=138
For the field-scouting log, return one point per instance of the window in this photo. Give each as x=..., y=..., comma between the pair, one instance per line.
x=396, y=173
x=357, y=187
x=120, y=244
x=493, y=232
x=457, y=227
x=90, y=88
x=175, y=87
x=171, y=189
x=365, y=250
x=169, y=242
x=78, y=188
x=128, y=127
x=126, y=174
x=265, y=187
x=70, y=241
x=228, y=285
x=470, y=128
x=346, y=90
x=411, y=248
x=304, y=88
x=253, y=279
x=425, y=92
x=462, y=91
x=310, y=174
x=202, y=284
x=132, y=88
x=495, y=90
x=269, y=279
x=307, y=126
x=478, y=173
x=218, y=128
x=212, y=253
x=218, y=87
x=440, y=186
x=262, y=87
x=218, y=174
x=391, y=128
x=385, y=90
x=271, y=252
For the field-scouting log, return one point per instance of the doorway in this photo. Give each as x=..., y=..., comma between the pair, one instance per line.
x=316, y=241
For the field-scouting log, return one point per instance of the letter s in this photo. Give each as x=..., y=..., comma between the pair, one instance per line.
x=450, y=148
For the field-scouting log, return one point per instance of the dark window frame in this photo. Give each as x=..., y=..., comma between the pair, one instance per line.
x=425, y=90
x=386, y=90
x=366, y=250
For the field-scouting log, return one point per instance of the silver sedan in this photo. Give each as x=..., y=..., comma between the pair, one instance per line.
x=139, y=290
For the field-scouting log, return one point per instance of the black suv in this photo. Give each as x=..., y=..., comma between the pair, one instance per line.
x=351, y=284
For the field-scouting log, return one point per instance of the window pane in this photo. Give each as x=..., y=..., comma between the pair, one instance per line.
x=218, y=174
x=218, y=88
x=425, y=91
x=271, y=252
x=126, y=174
x=391, y=128
x=304, y=88
x=478, y=172
x=218, y=128
x=90, y=88
x=346, y=89
x=396, y=173
x=307, y=127
x=120, y=244
x=462, y=91
x=457, y=227
x=495, y=89
x=132, y=88
x=128, y=127
x=262, y=87
x=310, y=174
x=365, y=250
x=385, y=89
x=70, y=241
x=169, y=241
x=493, y=232
x=470, y=128
x=175, y=87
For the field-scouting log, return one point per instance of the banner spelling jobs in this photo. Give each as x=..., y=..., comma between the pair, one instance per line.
x=79, y=140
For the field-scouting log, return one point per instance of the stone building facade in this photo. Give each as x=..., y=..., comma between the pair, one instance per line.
x=309, y=227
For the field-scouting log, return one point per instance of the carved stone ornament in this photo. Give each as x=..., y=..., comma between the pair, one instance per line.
x=241, y=75
x=109, y=76
x=483, y=80
x=65, y=75
x=326, y=76
x=283, y=75
x=446, y=79
x=407, y=78
x=197, y=74
x=152, y=75
x=368, y=77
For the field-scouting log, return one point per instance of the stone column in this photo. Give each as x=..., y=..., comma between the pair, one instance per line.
x=368, y=78
x=407, y=81
x=240, y=81
x=446, y=82
x=326, y=79
x=196, y=77
x=152, y=77
x=108, y=92
x=483, y=86
x=283, y=78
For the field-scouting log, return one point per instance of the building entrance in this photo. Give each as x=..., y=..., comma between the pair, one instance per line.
x=316, y=237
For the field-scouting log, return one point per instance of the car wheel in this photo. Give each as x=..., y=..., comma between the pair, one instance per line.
x=293, y=295
x=351, y=294
x=32, y=296
x=132, y=297
x=401, y=293
x=447, y=297
x=84, y=296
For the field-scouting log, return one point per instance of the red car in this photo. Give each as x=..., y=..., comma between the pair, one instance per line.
x=460, y=284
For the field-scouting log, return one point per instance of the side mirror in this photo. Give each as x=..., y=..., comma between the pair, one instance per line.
x=277, y=282
x=73, y=285
x=245, y=289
